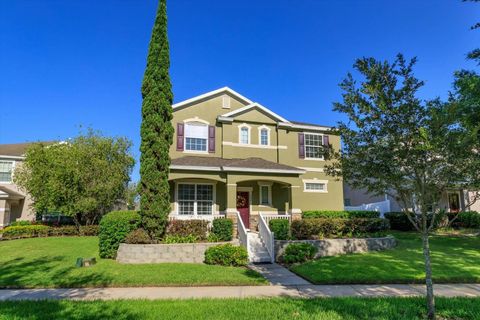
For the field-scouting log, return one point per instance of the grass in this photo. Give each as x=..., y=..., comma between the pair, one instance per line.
x=454, y=260
x=277, y=308
x=50, y=262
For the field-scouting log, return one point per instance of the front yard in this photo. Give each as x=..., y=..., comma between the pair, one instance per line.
x=454, y=260
x=50, y=262
x=236, y=309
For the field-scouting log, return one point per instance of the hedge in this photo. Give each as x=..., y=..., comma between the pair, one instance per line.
x=299, y=252
x=315, y=228
x=469, y=219
x=279, y=227
x=114, y=227
x=223, y=229
x=38, y=230
x=185, y=228
x=226, y=255
x=399, y=221
x=340, y=214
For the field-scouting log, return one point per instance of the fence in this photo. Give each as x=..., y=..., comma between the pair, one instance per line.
x=382, y=207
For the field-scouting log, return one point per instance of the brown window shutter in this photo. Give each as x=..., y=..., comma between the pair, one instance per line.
x=301, y=145
x=180, y=136
x=211, y=139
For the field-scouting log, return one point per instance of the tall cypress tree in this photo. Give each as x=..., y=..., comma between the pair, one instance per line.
x=156, y=130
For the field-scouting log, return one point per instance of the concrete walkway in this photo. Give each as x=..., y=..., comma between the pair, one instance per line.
x=297, y=291
x=278, y=275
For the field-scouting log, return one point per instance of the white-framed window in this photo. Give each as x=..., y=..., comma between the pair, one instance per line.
x=264, y=136
x=195, y=198
x=6, y=171
x=244, y=133
x=265, y=197
x=196, y=136
x=313, y=146
x=315, y=185
x=226, y=102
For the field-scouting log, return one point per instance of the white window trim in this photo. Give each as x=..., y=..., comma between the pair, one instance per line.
x=263, y=127
x=305, y=181
x=265, y=184
x=13, y=170
x=226, y=101
x=305, y=145
x=186, y=122
x=195, y=215
x=249, y=128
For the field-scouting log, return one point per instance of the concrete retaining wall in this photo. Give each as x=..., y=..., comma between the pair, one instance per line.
x=334, y=247
x=158, y=253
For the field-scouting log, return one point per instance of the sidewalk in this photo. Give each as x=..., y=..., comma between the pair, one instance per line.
x=295, y=291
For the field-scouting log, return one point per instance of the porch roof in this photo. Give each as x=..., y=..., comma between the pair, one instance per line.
x=6, y=193
x=234, y=165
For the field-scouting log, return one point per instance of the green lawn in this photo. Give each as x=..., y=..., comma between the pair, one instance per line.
x=50, y=262
x=278, y=308
x=454, y=259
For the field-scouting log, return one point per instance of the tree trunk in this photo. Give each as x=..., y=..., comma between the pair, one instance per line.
x=428, y=278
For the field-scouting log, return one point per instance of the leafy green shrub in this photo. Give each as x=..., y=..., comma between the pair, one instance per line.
x=114, y=227
x=226, y=255
x=185, y=228
x=340, y=214
x=280, y=228
x=20, y=223
x=299, y=252
x=399, y=221
x=470, y=219
x=314, y=228
x=28, y=231
x=223, y=229
x=63, y=231
x=212, y=237
x=91, y=230
x=138, y=236
x=180, y=239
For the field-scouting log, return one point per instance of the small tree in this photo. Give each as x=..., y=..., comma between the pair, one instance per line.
x=394, y=143
x=156, y=130
x=82, y=178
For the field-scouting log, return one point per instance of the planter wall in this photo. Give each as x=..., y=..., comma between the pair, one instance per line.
x=163, y=253
x=334, y=247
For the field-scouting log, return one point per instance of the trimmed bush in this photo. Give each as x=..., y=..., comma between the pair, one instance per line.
x=63, y=231
x=27, y=231
x=91, y=230
x=21, y=223
x=340, y=214
x=138, y=236
x=299, y=252
x=399, y=221
x=280, y=228
x=469, y=219
x=185, y=228
x=180, y=239
x=226, y=255
x=308, y=229
x=223, y=229
x=114, y=227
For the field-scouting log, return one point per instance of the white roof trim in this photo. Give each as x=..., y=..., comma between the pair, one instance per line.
x=241, y=169
x=201, y=168
x=306, y=127
x=211, y=93
x=251, y=106
x=12, y=157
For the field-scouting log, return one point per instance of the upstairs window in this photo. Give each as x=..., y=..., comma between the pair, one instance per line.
x=6, y=170
x=264, y=137
x=196, y=136
x=244, y=135
x=313, y=146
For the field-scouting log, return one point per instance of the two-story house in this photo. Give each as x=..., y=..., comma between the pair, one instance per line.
x=232, y=154
x=14, y=203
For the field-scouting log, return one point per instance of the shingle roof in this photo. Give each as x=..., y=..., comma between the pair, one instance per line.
x=16, y=149
x=232, y=164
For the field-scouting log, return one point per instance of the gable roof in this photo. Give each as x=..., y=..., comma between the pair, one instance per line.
x=254, y=105
x=211, y=94
x=17, y=150
x=221, y=164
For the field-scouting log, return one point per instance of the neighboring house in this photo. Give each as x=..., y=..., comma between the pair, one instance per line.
x=14, y=203
x=451, y=201
x=231, y=154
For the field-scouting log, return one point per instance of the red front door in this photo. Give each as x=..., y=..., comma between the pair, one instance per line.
x=243, y=207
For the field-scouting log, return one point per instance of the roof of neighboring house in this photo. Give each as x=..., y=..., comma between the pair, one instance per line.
x=220, y=164
x=17, y=149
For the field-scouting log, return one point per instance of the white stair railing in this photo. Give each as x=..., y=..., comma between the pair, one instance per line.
x=267, y=237
x=242, y=234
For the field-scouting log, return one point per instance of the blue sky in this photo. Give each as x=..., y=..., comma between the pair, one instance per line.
x=66, y=64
